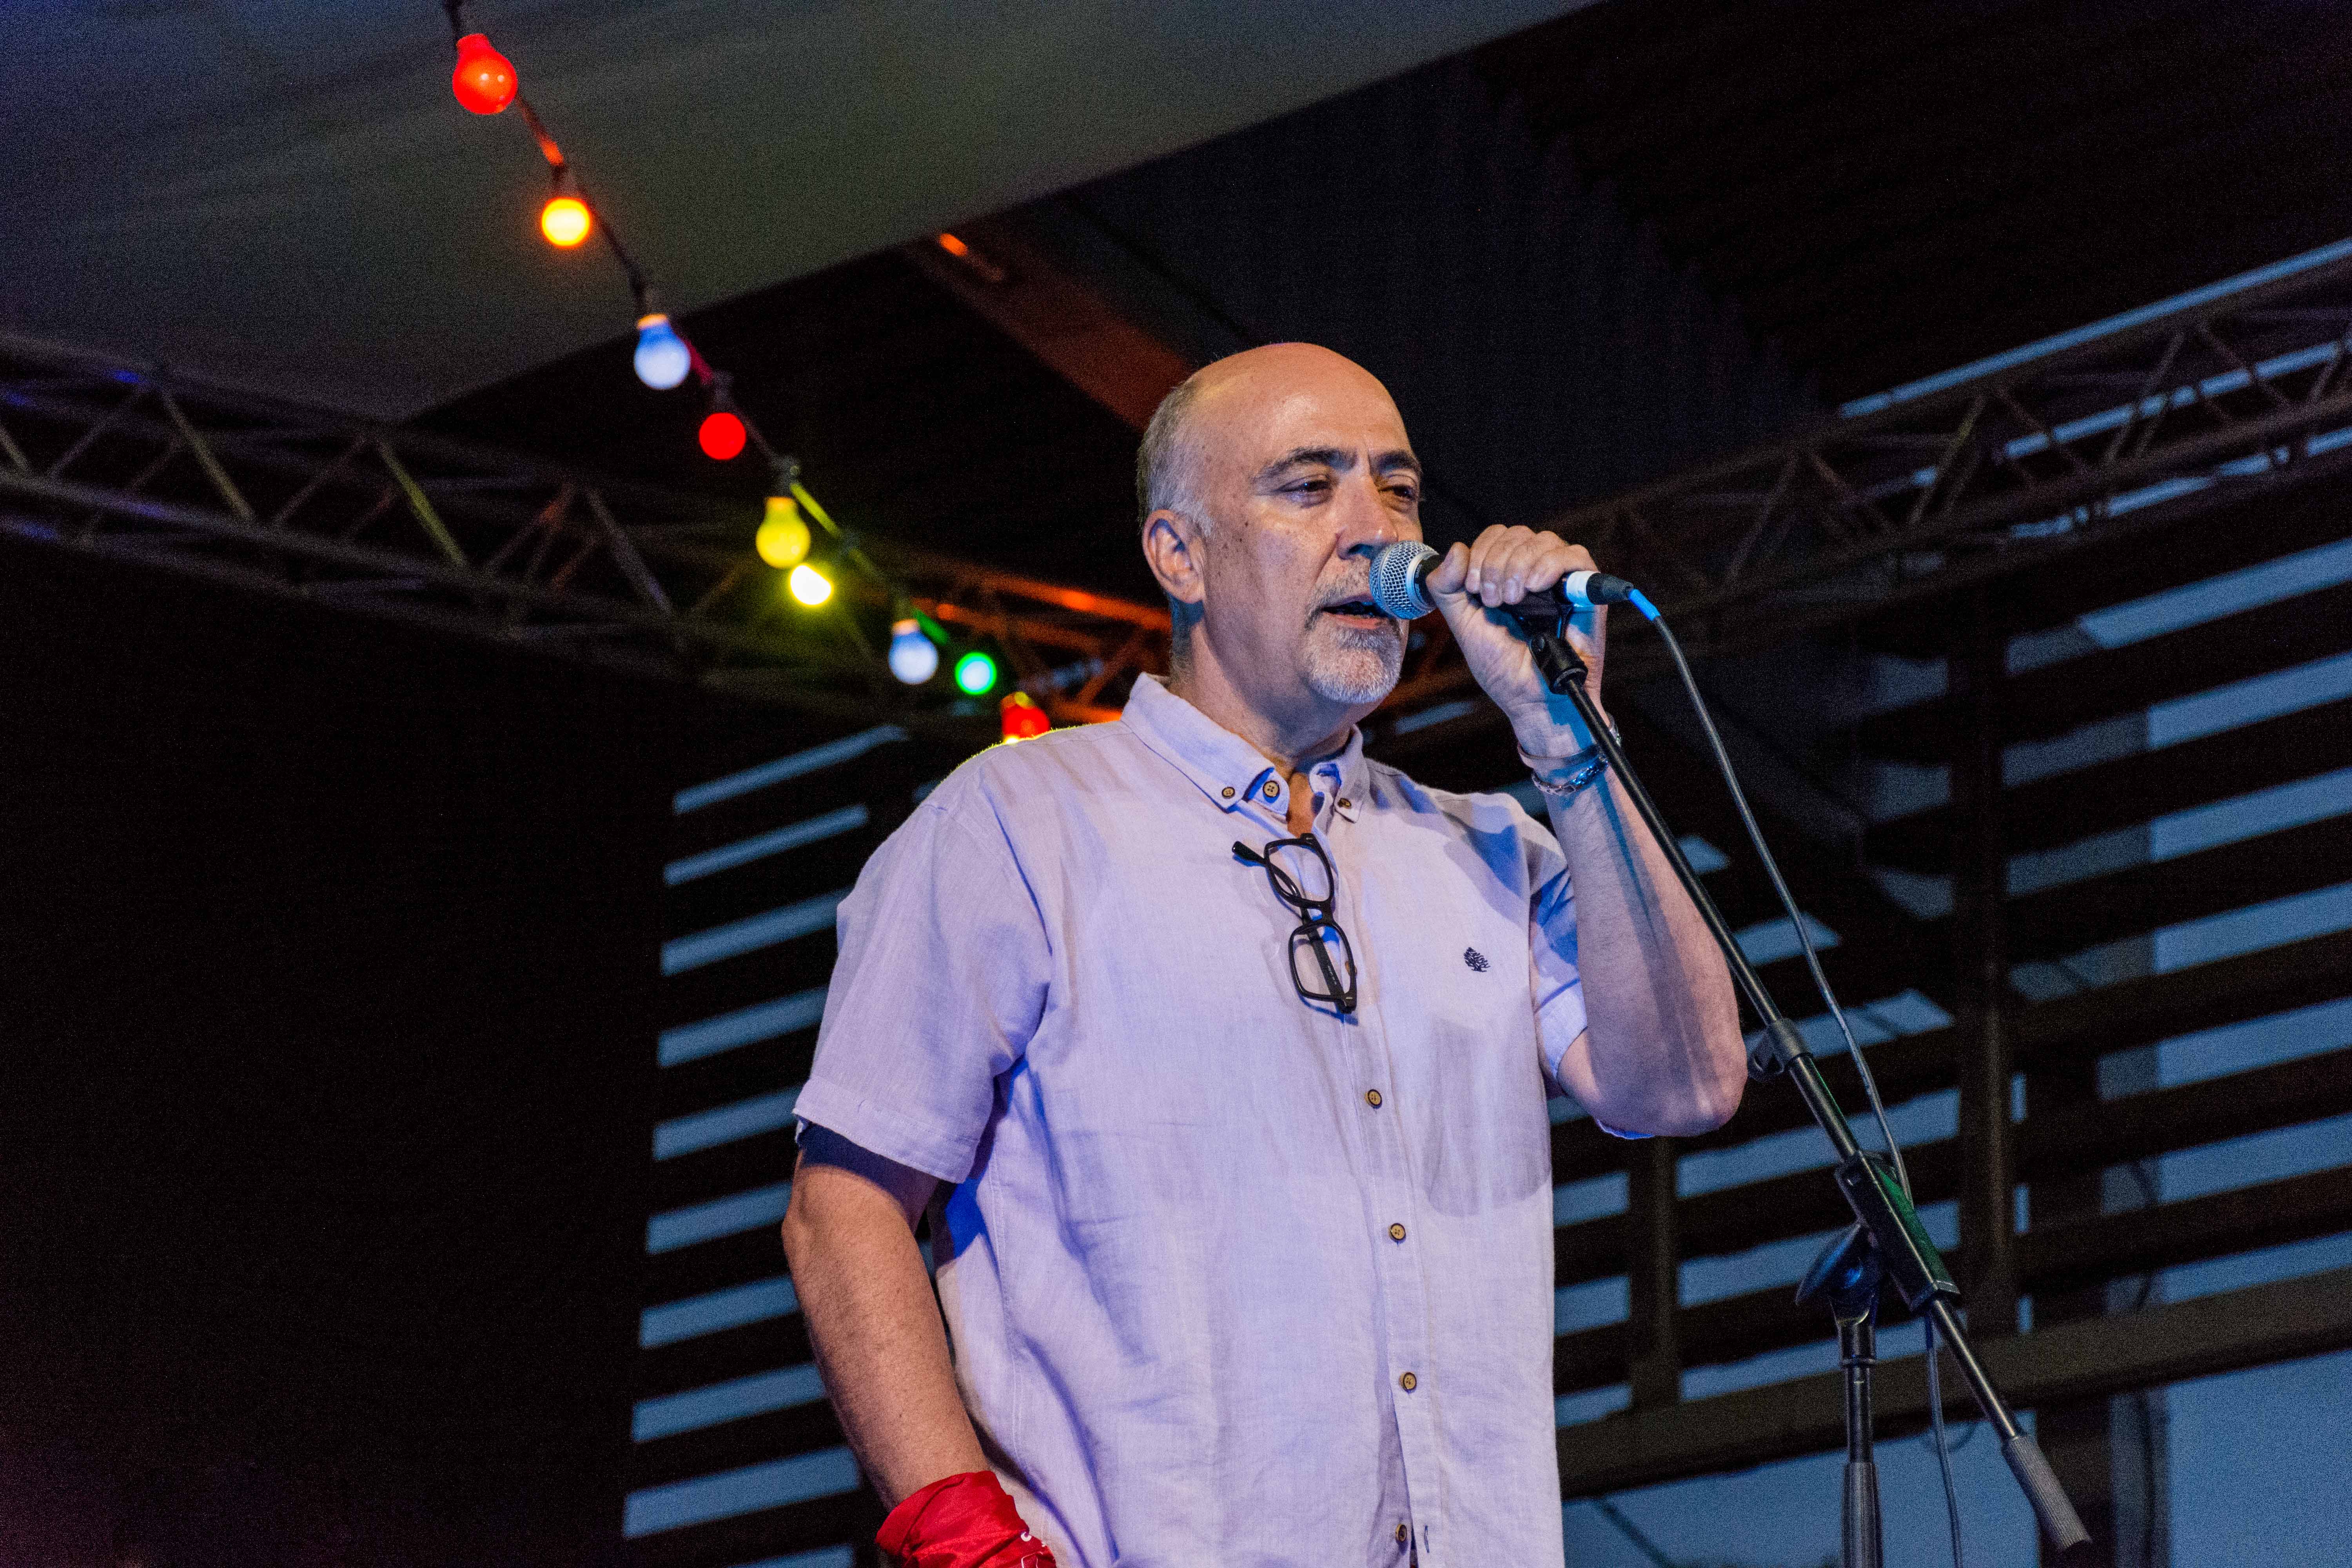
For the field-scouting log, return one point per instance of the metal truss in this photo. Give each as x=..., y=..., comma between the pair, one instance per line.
x=2185, y=409
x=1956, y=479
x=136, y=462
x=1989, y=470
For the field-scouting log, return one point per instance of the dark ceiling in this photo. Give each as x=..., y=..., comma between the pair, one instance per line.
x=1888, y=190
x=286, y=197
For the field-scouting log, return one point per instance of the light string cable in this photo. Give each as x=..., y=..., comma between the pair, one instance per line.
x=560, y=173
x=1649, y=612
x=717, y=384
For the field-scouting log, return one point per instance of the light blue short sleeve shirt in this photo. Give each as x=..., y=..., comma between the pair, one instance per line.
x=1231, y=1279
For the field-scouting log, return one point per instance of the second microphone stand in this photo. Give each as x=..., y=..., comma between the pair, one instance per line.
x=1846, y=1277
x=1889, y=1226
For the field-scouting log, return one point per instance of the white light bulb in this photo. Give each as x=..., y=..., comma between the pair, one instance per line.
x=663, y=358
x=914, y=658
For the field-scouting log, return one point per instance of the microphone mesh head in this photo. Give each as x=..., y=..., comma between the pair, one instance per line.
x=1397, y=571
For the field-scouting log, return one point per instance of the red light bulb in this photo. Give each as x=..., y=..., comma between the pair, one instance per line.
x=1022, y=718
x=483, y=80
x=721, y=436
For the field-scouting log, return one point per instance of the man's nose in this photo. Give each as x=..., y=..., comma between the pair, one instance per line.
x=1365, y=523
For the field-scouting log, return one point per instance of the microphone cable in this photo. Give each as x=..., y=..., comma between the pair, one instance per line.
x=1649, y=612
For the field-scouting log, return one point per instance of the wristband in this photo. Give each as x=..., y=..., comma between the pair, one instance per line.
x=1575, y=782
x=961, y=1521
x=1585, y=767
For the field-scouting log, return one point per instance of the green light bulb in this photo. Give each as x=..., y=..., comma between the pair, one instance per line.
x=975, y=674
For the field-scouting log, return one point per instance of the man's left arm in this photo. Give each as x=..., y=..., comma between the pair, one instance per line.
x=1661, y=1051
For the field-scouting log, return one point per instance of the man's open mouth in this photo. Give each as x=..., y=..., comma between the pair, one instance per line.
x=1358, y=613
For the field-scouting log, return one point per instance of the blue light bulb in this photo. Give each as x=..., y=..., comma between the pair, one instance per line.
x=914, y=658
x=663, y=358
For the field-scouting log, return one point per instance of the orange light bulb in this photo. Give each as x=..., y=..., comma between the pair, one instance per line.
x=565, y=220
x=483, y=80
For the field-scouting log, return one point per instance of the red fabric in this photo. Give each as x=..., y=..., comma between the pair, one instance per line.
x=963, y=1521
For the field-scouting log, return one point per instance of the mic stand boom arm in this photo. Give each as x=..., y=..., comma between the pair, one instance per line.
x=1912, y=1265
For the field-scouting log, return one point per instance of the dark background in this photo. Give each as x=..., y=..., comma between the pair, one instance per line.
x=327, y=1016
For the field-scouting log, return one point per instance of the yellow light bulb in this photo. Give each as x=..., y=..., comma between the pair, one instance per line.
x=565, y=221
x=809, y=586
x=782, y=540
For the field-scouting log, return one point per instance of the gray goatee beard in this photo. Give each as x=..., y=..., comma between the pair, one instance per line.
x=1363, y=668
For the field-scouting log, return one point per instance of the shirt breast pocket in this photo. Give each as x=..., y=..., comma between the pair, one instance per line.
x=1457, y=1001
x=1464, y=962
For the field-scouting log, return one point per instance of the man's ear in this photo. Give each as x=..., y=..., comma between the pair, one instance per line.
x=1172, y=544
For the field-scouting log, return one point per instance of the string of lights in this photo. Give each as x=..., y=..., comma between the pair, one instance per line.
x=485, y=83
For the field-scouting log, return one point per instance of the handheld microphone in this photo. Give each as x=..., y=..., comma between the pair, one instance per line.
x=1398, y=570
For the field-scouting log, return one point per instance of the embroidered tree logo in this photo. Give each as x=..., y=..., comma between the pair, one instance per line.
x=1475, y=959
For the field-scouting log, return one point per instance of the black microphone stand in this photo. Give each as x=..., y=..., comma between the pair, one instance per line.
x=1847, y=1276
x=1889, y=1225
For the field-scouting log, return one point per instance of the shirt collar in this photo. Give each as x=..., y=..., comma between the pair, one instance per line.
x=1227, y=769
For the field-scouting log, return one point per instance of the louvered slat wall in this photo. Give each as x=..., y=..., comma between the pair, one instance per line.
x=738, y=1459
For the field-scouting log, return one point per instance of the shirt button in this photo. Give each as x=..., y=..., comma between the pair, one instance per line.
x=1372, y=1098
x=1408, y=1383
x=1229, y=792
x=1405, y=1533
x=1345, y=804
x=1396, y=1233
x=1272, y=789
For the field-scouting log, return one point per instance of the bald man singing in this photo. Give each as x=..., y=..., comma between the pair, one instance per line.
x=1217, y=1055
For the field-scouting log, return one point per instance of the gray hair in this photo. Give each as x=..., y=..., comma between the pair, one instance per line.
x=1167, y=464
x=1166, y=461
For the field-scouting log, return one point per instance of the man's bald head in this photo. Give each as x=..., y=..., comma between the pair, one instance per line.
x=1181, y=429
x=1267, y=481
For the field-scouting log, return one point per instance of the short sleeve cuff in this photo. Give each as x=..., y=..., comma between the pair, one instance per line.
x=1558, y=1020
x=1559, y=1023
x=885, y=1131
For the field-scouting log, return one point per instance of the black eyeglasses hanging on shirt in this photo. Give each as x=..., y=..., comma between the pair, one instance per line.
x=1294, y=879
